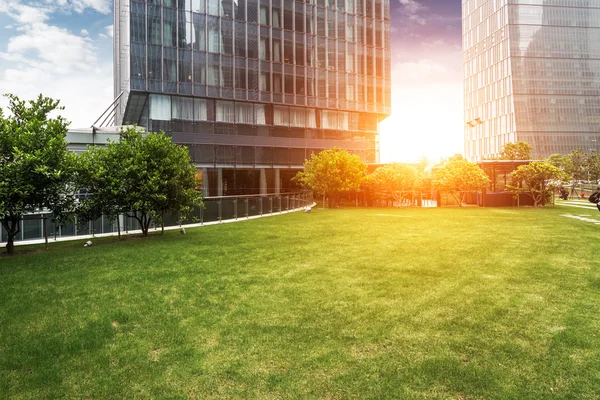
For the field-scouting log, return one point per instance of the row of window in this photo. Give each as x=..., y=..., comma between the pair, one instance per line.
x=164, y=26
x=166, y=108
x=245, y=10
x=217, y=154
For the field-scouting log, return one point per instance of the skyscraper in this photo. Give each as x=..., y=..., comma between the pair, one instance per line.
x=253, y=87
x=532, y=74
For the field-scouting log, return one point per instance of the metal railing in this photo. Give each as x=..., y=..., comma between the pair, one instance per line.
x=217, y=209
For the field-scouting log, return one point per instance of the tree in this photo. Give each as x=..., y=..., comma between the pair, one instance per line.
x=392, y=182
x=36, y=168
x=516, y=151
x=592, y=166
x=143, y=176
x=459, y=176
x=100, y=173
x=559, y=161
x=576, y=165
x=536, y=179
x=331, y=173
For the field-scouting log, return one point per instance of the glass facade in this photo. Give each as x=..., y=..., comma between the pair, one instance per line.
x=256, y=82
x=532, y=73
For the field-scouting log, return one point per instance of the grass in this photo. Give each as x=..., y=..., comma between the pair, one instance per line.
x=344, y=304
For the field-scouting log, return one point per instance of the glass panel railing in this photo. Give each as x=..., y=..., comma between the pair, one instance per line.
x=215, y=209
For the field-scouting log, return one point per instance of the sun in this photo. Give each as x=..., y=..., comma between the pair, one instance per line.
x=425, y=122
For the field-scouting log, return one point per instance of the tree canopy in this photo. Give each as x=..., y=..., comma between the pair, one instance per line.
x=392, y=182
x=536, y=179
x=516, y=151
x=142, y=175
x=459, y=176
x=331, y=173
x=36, y=169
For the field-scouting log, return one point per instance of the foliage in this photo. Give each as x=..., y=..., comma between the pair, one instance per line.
x=576, y=165
x=145, y=175
x=331, y=173
x=516, y=151
x=592, y=166
x=537, y=179
x=560, y=161
x=393, y=182
x=36, y=168
x=459, y=176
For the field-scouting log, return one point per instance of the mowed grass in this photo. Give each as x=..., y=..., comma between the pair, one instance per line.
x=340, y=304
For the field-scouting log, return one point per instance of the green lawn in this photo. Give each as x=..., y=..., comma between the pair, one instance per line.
x=354, y=303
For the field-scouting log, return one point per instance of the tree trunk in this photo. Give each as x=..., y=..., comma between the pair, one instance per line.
x=119, y=226
x=11, y=224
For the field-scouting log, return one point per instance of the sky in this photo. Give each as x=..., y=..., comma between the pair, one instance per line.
x=63, y=49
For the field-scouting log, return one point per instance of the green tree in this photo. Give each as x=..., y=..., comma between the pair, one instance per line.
x=560, y=161
x=143, y=176
x=331, y=173
x=536, y=179
x=392, y=182
x=576, y=165
x=36, y=168
x=100, y=173
x=516, y=151
x=592, y=165
x=458, y=177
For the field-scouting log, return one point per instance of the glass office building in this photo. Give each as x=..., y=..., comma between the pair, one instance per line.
x=253, y=87
x=532, y=73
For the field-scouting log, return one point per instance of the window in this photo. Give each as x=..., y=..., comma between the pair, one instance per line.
x=240, y=78
x=182, y=108
x=300, y=85
x=264, y=83
x=260, y=112
x=289, y=84
x=264, y=15
x=160, y=107
x=281, y=115
x=299, y=53
x=244, y=113
x=225, y=111
x=297, y=117
x=276, y=50
x=264, y=51
x=277, y=84
x=288, y=52
x=276, y=17
x=240, y=10
x=213, y=36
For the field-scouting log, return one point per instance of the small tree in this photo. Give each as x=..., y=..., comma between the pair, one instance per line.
x=536, y=179
x=331, y=173
x=516, y=151
x=100, y=173
x=592, y=165
x=559, y=161
x=576, y=165
x=143, y=176
x=459, y=176
x=392, y=182
x=36, y=168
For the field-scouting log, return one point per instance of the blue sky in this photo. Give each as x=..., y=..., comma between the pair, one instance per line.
x=63, y=49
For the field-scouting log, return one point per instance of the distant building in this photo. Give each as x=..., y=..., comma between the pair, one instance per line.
x=532, y=74
x=252, y=87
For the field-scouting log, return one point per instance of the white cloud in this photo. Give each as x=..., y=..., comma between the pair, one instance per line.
x=413, y=10
x=109, y=30
x=45, y=58
x=103, y=36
